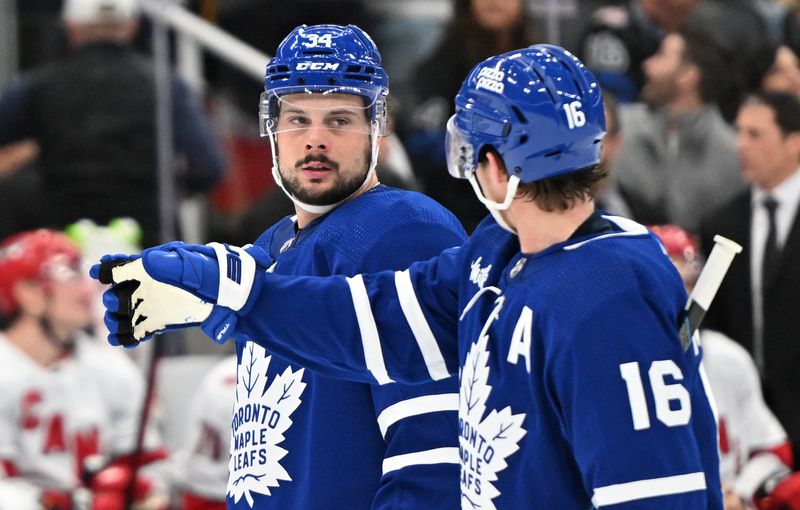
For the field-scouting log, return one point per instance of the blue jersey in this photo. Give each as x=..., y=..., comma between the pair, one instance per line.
x=304, y=440
x=575, y=391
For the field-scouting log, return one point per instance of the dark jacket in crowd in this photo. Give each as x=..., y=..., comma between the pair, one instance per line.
x=93, y=115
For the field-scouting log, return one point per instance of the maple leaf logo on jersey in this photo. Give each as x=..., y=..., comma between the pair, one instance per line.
x=484, y=444
x=261, y=416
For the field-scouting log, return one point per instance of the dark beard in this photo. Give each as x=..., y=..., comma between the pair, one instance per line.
x=341, y=189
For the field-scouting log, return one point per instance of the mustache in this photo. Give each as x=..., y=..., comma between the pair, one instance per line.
x=319, y=158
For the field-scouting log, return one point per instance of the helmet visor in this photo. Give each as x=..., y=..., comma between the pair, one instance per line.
x=338, y=110
x=460, y=153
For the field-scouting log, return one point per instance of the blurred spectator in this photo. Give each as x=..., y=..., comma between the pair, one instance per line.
x=610, y=196
x=20, y=191
x=93, y=117
x=757, y=302
x=775, y=68
x=784, y=73
x=790, y=30
x=203, y=463
x=755, y=454
x=678, y=159
x=69, y=408
x=478, y=30
x=620, y=38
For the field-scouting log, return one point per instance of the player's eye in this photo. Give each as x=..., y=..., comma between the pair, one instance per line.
x=339, y=122
x=298, y=120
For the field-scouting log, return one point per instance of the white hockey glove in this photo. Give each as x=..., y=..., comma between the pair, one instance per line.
x=175, y=286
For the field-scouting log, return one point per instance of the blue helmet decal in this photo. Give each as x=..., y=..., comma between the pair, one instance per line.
x=325, y=59
x=538, y=107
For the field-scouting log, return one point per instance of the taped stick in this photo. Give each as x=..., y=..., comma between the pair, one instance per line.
x=717, y=265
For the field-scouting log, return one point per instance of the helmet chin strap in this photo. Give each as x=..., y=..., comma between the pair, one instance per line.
x=322, y=209
x=495, y=207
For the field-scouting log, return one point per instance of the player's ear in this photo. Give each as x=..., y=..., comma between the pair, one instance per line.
x=496, y=167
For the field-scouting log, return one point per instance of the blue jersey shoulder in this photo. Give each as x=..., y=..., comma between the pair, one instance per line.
x=388, y=209
x=620, y=265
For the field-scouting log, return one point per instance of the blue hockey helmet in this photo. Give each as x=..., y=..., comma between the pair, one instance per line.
x=538, y=107
x=325, y=59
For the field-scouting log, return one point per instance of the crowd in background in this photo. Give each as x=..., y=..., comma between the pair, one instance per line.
x=740, y=45
x=701, y=132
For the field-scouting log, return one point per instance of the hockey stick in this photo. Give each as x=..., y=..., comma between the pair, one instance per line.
x=144, y=419
x=719, y=260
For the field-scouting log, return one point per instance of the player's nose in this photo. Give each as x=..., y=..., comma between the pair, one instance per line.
x=316, y=138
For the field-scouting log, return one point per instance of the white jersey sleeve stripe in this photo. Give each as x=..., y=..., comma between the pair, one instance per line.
x=416, y=406
x=654, y=487
x=419, y=326
x=373, y=355
x=448, y=455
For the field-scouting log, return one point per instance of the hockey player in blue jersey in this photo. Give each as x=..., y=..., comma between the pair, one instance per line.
x=300, y=439
x=561, y=320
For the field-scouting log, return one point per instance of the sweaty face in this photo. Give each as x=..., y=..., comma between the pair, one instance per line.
x=323, y=146
x=768, y=156
x=661, y=72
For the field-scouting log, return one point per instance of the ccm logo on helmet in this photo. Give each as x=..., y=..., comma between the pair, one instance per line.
x=317, y=66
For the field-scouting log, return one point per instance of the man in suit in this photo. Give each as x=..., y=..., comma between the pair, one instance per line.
x=757, y=304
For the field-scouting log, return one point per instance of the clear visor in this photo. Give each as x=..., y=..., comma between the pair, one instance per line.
x=337, y=110
x=460, y=160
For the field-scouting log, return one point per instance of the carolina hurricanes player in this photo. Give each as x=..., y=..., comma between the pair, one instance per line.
x=754, y=451
x=203, y=464
x=64, y=399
